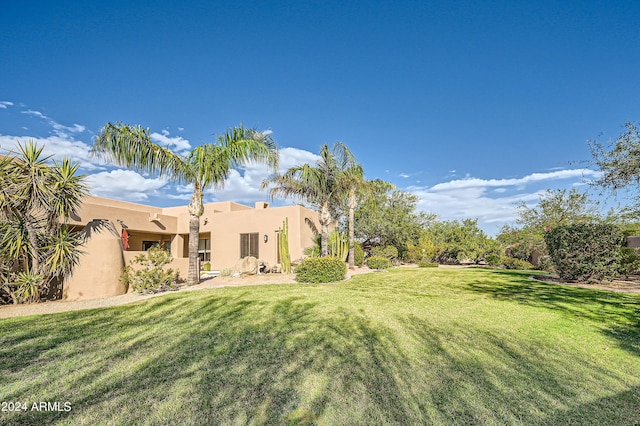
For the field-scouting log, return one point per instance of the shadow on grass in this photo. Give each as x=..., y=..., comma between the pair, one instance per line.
x=498, y=380
x=617, y=313
x=241, y=359
x=215, y=361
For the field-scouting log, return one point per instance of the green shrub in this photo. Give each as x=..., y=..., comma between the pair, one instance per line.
x=426, y=249
x=629, y=261
x=519, y=264
x=545, y=264
x=358, y=255
x=585, y=252
x=494, y=259
x=389, y=252
x=521, y=250
x=426, y=264
x=150, y=276
x=321, y=270
x=378, y=262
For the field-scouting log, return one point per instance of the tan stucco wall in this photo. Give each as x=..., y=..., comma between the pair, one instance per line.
x=98, y=273
x=135, y=216
x=222, y=223
x=227, y=227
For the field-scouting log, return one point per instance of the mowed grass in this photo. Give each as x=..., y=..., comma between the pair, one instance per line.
x=423, y=346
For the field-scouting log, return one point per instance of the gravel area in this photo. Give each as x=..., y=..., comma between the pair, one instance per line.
x=10, y=311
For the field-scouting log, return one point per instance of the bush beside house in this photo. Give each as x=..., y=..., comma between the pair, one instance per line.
x=321, y=270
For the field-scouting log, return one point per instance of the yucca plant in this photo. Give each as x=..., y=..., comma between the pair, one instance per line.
x=28, y=286
x=36, y=201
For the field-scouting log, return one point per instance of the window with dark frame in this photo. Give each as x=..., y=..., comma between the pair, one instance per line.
x=146, y=245
x=204, y=249
x=249, y=244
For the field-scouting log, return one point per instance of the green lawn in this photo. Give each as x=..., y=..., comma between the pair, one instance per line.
x=423, y=346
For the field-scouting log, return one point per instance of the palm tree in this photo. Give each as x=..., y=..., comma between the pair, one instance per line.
x=323, y=185
x=353, y=179
x=205, y=166
x=36, y=202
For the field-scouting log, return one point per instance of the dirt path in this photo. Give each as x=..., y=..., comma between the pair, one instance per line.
x=10, y=311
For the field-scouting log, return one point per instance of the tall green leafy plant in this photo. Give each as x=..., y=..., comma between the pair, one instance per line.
x=37, y=199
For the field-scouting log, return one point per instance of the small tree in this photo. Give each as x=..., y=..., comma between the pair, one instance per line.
x=554, y=208
x=150, y=276
x=389, y=217
x=457, y=241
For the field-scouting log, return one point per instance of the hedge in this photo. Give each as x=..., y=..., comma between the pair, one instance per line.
x=378, y=262
x=321, y=270
x=585, y=252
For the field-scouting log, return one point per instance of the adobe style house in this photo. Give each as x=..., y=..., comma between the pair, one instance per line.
x=228, y=232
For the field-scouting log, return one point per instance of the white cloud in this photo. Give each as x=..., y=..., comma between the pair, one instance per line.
x=244, y=185
x=58, y=129
x=290, y=157
x=57, y=147
x=5, y=104
x=61, y=129
x=177, y=143
x=124, y=185
x=468, y=198
x=404, y=175
x=34, y=113
x=470, y=182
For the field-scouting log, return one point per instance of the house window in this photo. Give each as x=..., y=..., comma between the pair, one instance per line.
x=204, y=250
x=146, y=245
x=249, y=245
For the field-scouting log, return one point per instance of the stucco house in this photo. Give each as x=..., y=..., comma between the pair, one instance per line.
x=228, y=232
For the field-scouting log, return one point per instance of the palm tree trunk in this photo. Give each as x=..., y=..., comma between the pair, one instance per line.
x=195, y=211
x=325, y=220
x=352, y=238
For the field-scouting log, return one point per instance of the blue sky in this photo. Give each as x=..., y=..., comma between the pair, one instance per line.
x=473, y=106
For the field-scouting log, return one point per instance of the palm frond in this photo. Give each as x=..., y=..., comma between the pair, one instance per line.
x=131, y=146
x=236, y=148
